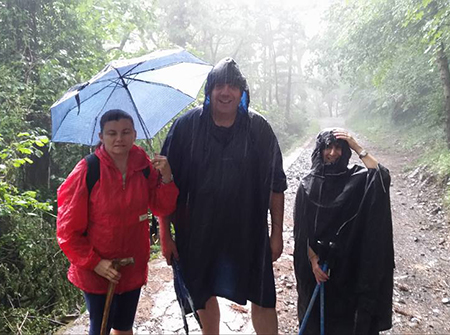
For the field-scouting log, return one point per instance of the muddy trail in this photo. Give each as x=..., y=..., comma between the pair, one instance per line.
x=421, y=278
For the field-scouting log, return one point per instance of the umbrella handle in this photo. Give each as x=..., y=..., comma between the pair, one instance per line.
x=183, y=290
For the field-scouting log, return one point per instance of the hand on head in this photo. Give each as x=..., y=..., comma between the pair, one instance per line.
x=342, y=134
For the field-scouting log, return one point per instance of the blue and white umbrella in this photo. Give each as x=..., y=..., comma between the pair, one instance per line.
x=152, y=89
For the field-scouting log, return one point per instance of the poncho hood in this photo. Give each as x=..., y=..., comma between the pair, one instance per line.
x=323, y=139
x=227, y=72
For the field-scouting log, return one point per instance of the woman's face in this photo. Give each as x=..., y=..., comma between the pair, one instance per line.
x=331, y=153
x=118, y=137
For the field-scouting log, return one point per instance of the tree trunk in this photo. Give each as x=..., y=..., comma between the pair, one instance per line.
x=37, y=174
x=265, y=80
x=289, y=83
x=330, y=107
x=337, y=107
x=445, y=77
x=274, y=62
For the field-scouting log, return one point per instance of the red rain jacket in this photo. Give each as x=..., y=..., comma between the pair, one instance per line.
x=114, y=218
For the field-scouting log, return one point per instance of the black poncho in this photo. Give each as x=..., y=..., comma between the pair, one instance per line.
x=225, y=177
x=350, y=208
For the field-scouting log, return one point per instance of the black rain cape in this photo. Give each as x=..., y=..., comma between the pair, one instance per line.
x=225, y=177
x=351, y=208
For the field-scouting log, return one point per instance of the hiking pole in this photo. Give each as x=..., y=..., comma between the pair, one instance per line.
x=117, y=264
x=322, y=308
x=311, y=304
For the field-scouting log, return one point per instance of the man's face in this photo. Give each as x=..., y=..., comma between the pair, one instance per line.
x=331, y=153
x=225, y=98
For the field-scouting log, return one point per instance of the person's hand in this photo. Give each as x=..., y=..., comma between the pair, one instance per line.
x=105, y=269
x=342, y=134
x=161, y=164
x=169, y=249
x=318, y=273
x=276, y=245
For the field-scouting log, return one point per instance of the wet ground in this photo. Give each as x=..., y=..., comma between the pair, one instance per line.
x=422, y=281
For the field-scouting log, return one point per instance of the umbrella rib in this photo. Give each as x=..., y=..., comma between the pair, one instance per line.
x=127, y=74
x=158, y=67
x=93, y=95
x=141, y=121
x=71, y=109
x=100, y=110
x=160, y=84
x=68, y=112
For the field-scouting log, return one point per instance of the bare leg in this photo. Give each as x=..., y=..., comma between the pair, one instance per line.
x=122, y=332
x=210, y=317
x=264, y=320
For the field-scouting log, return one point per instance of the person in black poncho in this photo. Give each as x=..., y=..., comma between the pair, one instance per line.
x=342, y=217
x=227, y=164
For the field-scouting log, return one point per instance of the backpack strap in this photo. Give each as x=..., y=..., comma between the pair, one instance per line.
x=93, y=171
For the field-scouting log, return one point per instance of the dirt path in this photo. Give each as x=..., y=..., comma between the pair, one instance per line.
x=422, y=282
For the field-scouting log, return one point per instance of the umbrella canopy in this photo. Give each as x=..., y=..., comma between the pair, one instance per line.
x=152, y=89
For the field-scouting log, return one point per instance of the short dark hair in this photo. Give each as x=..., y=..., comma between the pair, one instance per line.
x=114, y=115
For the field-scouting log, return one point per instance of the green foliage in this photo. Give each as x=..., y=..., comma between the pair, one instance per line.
x=426, y=144
x=12, y=157
x=32, y=294
x=386, y=52
x=35, y=292
x=155, y=250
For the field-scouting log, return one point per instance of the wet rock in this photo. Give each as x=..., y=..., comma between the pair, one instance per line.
x=435, y=210
x=403, y=287
x=415, y=173
x=414, y=322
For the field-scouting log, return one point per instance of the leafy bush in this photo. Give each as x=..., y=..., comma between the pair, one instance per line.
x=34, y=291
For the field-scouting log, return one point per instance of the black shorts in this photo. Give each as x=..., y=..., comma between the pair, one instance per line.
x=121, y=314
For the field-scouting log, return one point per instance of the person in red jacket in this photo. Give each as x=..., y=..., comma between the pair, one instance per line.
x=110, y=221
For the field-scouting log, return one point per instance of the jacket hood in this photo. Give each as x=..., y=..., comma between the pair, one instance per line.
x=227, y=71
x=323, y=139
